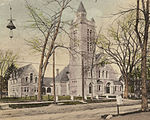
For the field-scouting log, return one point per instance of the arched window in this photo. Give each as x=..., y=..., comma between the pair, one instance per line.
x=48, y=90
x=35, y=79
x=31, y=77
x=108, y=88
x=26, y=79
x=90, y=88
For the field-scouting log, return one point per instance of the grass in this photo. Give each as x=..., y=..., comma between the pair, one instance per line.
x=100, y=101
x=72, y=103
x=47, y=98
x=64, y=98
x=77, y=98
x=32, y=99
x=15, y=106
x=15, y=99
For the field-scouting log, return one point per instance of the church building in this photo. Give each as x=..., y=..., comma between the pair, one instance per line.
x=103, y=80
x=84, y=76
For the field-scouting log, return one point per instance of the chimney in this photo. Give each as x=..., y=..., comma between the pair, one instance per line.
x=57, y=71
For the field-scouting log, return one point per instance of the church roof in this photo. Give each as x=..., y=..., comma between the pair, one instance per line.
x=47, y=81
x=62, y=76
x=24, y=69
x=81, y=8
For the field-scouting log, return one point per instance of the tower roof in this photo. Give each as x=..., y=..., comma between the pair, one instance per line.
x=81, y=8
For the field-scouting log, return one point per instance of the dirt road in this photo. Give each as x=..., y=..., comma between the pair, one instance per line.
x=68, y=112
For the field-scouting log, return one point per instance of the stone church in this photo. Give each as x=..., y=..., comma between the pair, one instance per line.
x=104, y=81
x=100, y=81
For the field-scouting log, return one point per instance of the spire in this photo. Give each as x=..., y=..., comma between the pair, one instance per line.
x=81, y=8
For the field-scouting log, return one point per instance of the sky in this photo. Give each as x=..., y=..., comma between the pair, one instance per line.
x=100, y=11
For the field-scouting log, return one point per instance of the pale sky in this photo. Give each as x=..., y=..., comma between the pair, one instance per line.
x=98, y=10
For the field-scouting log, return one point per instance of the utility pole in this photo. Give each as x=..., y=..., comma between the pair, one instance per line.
x=82, y=76
x=54, y=78
x=1, y=89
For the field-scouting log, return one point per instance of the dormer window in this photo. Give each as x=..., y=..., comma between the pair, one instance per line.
x=31, y=77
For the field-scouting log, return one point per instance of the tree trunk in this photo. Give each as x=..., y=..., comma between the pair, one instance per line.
x=144, y=104
x=126, y=88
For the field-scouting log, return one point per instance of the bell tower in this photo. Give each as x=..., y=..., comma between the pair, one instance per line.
x=82, y=34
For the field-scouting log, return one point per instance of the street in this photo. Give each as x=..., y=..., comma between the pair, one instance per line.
x=71, y=112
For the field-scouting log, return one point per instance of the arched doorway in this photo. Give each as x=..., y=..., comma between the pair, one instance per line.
x=108, y=88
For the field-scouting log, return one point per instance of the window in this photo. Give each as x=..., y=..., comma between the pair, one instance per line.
x=90, y=88
x=103, y=74
x=48, y=90
x=115, y=88
x=120, y=88
x=24, y=89
x=27, y=89
x=35, y=79
x=108, y=88
x=26, y=79
x=98, y=87
x=43, y=91
x=99, y=73
x=31, y=77
x=106, y=74
x=88, y=40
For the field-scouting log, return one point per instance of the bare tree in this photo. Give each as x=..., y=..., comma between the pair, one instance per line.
x=49, y=25
x=142, y=18
x=121, y=47
x=7, y=58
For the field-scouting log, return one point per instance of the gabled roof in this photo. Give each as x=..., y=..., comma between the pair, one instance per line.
x=63, y=75
x=47, y=81
x=24, y=69
x=81, y=8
